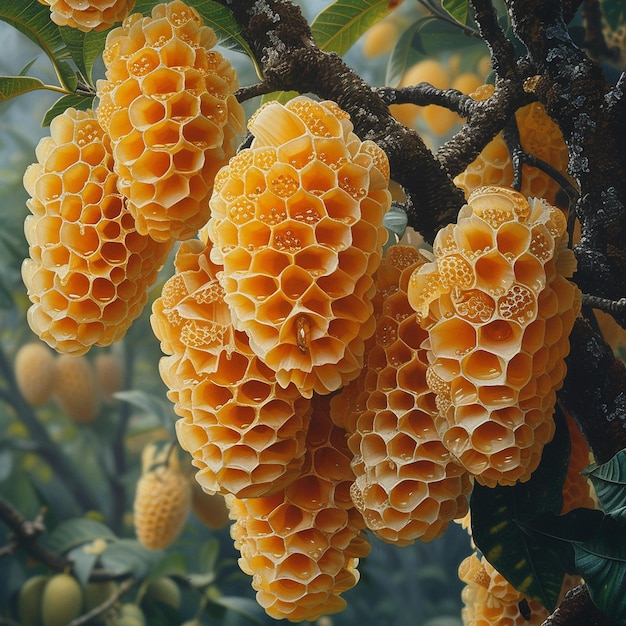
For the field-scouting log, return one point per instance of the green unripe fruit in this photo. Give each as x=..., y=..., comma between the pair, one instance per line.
x=130, y=615
x=29, y=601
x=62, y=600
x=97, y=594
x=129, y=621
x=164, y=590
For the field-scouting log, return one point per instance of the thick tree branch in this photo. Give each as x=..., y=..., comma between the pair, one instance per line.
x=280, y=38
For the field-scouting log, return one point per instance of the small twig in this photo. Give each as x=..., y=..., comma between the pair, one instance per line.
x=107, y=604
x=252, y=91
x=604, y=304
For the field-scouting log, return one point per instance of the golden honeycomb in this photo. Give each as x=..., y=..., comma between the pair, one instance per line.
x=34, y=369
x=297, y=224
x=162, y=500
x=246, y=434
x=492, y=601
x=407, y=485
x=76, y=388
x=167, y=102
x=498, y=311
x=88, y=270
x=539, y=136
x=302, y=545
x=86, y=15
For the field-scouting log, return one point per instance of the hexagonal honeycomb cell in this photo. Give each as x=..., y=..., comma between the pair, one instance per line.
x=407, y=485
x=539, y=136
x=89, y=270
x=167, y=102
x=88, y=15
x=490, y=599
x=297, y=224
x=498, y=332
x=302, y=545
x=244, y=432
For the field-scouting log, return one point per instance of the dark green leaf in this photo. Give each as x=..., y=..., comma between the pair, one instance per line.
x=341, y=23
x=6, y=456
x=609, y=481
x=436, y=36
x=127, y=556
x=64, y=103
x=76, y=532
x=458, y=9
x=530, y=562
x=82, y=563
x=601, y=561
x=614, y=13
x=403, y=54
x=6, y=297
x=171, y=564
x=242, y=606
x=84, y=48
x=207, y=558
x=152, y=404
x=13, y=86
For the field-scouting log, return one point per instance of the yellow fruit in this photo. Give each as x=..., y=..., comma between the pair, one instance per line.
x=29, y=601
x=210, y=509
x=90, y=14
x=498, y=311
x=165, y=591
x=75, y=389
x=168, y=104
x=297, y=223
x=407, y=485
x=109, y=368
x=34, y=373
x=302, y=545
x=161, y=506
x=62, y=600
x=88, y=270
x=380, y=39
x=244, y=431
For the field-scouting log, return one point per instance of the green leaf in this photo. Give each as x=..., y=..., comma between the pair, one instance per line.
x=458, y=9
x=245, y=607
x=341, y=23
x=62, y=104
x=609, y=481
x=207, y=557
x=84, y=48
x=280, y=96
x=395, y=221
x=13, y=86
x=436, y=36
x=82, y=563
x=171, y=564
x=614, y=13
x=76, y=532
x=601, y=561
x=404, y=54
x=127, y=556
x=530, y=562
x=150, y=403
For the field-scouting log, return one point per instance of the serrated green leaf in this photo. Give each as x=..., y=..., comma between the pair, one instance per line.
x=530, y=563
x=601, y=561
x=76, y=532
x=458, y=9
x=609, y=481
x=13, y=86
x=62, y=104
x=84, y=48
x=127, y=556
x=343, y=22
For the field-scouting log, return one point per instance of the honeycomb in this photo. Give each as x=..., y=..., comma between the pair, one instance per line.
x=88, y=270
x=297, y=224
x=407, y=486
x=498, y=311
x=539, y=136
x=86, y=15
x=302, y=545
x=162, y=501
x=490, y=600
x=246, y=434
x=76, y=388
x=34, y=372
x=167, y=102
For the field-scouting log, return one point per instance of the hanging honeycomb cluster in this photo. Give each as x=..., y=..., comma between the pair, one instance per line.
x=89, y=269
x=245, y=433
x=168, y=105
x=162, y=499
x=297, y=223
x=498, y=311
x=491, y=600
x=538, y=136
x=302, y=544
x=407, y=485
x=88, y=15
